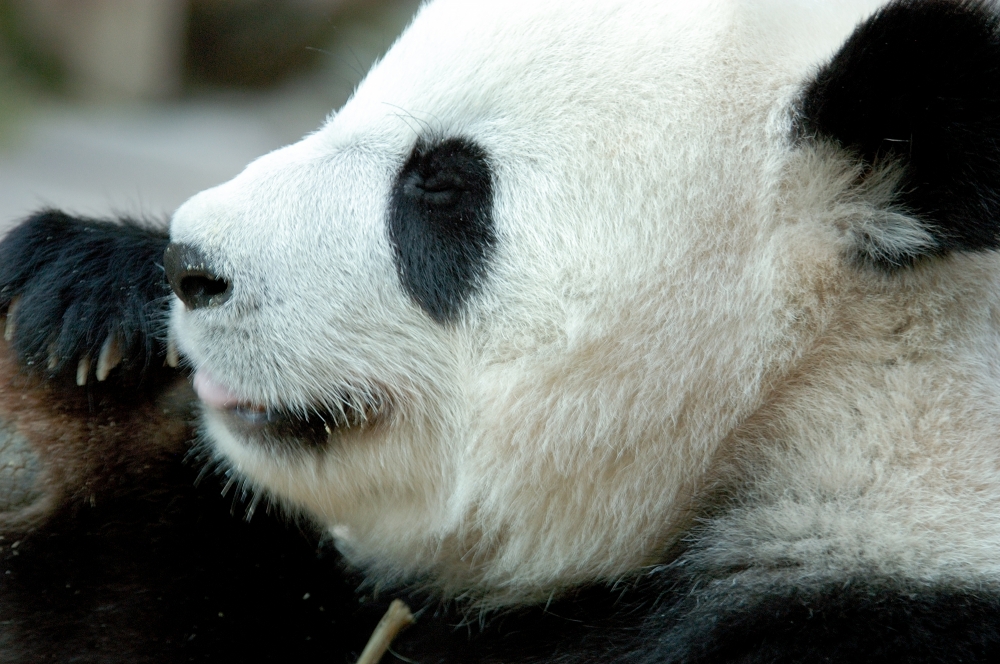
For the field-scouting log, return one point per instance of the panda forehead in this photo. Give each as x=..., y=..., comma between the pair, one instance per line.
x=501, y=70
x=494, y=67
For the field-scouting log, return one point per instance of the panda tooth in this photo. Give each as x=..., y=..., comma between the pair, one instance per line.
x=173, y=357
x=82, y=371
x=109, y=358
x=9, y=328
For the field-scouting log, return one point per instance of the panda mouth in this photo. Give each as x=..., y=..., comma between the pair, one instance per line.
x=270, y=426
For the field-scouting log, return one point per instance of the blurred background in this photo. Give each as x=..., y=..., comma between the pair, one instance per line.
x=131, y=106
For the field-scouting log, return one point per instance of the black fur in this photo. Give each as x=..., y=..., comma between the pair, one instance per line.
x=868, y=619
x=79, y=281
x=157, y=568
x=919, y=84
x=441, y=224
x=670, y=616
x=172, y=576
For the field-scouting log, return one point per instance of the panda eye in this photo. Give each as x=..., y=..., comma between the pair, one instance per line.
x=442, y=174
x=440, y=189
x=444, y=182
x=441, y=224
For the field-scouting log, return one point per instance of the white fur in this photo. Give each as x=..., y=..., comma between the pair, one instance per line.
x=671, y=305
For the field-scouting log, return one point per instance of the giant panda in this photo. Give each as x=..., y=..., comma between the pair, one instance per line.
x=649, y=331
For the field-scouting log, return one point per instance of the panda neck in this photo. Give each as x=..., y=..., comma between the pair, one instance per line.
x=887, y=431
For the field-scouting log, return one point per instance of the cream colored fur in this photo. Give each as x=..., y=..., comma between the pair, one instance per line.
x=675, y=305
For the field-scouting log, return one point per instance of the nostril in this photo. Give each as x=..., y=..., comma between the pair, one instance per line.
x=191, y=278
x=203, y=290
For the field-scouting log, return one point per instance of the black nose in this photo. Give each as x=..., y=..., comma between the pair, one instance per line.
x=191, y=277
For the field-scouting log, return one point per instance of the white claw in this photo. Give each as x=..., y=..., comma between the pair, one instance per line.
x=83, y=371
x=53, y=358
x=111, y=355
x=173, y=357
x=8, y=330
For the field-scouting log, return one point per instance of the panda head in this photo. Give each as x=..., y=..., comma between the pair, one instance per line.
x=503, y=320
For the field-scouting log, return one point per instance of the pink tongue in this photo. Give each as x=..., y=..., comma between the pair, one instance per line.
x=212, y=393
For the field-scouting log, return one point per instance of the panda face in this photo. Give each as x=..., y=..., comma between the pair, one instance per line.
x=498, y=321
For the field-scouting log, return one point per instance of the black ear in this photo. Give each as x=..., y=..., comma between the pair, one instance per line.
x=919, y=84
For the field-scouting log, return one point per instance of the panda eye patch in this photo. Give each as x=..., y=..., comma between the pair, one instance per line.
x=440, y=224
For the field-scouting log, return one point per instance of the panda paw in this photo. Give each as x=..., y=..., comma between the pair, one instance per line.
x=84, y=297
